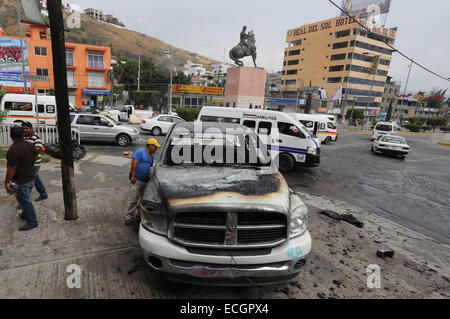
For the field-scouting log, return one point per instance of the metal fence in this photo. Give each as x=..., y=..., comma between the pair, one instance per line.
x=47, y=133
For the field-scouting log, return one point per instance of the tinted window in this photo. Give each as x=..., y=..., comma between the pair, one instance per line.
x=164, y=119
x=91, y=120
x=308, y=124
x=265, y=125
x=250, y=124
x=383, y=127
x=220, y=119
x=50, y=108
x=331, y=125
x=41, y=108
x=18, y=106
x=322, y=126
x=289, y=129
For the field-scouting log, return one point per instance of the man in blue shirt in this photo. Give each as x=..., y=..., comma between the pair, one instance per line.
x=142, y=161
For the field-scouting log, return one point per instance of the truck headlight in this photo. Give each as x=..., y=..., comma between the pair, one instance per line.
x=311, y=150
x=153, y=218
x=299, y=221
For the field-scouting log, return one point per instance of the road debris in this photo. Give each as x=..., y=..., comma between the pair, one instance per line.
x=349, y=218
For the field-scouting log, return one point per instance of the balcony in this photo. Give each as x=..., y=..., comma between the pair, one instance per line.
x=71, y=84
x=97, y=84
x=70, y=63
x=95, y=65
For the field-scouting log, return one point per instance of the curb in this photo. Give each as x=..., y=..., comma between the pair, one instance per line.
x=444, y=143
x=360, y=131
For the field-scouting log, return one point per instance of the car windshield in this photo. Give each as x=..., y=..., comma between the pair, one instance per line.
x=384, y=127
x=393, y=139
x=243, y=149
x=331, y=126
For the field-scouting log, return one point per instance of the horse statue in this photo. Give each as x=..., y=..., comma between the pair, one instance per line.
x=240, y=51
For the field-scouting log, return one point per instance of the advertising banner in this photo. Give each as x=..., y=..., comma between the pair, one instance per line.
x=11, y=62
x=366, y=8
x=192, y=89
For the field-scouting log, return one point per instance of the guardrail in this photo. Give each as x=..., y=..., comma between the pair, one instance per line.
x=47, y=133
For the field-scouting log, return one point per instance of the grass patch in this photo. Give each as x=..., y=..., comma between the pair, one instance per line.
x=45, y=158
x=3, y=151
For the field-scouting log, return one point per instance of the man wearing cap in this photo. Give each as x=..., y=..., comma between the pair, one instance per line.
x=21, y=157
x=34, y=139
x=142, y=161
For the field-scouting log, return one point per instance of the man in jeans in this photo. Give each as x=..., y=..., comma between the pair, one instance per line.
x=21, y=157
x=34, y=139
x=142, y=161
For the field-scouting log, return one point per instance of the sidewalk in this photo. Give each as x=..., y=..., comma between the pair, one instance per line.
x=34, y=264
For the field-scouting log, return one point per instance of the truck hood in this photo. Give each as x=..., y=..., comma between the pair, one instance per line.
x=181, y=187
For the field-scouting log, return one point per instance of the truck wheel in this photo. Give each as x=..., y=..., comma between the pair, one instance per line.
x=123, y=140
x=372, y=150
x=327, y=140
x=286, y=163
x=156, y=131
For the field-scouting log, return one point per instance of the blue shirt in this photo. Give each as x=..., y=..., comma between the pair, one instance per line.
x=143, y=166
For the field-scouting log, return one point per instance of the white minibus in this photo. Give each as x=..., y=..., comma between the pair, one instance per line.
x=320, y=125
x=285, y=137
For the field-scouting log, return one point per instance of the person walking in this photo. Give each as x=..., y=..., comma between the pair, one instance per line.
x=21, y=157
x=142, y=161
x=34, y=139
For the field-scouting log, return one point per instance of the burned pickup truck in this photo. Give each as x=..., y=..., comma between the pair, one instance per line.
x=217, y=211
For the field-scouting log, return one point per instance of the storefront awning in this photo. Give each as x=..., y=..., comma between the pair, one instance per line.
x=96, y=92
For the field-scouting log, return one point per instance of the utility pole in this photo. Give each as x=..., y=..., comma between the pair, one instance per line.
x=62, y=102
x=404, y=92
x=21, y=47
x=139, y=74
x=296, y=102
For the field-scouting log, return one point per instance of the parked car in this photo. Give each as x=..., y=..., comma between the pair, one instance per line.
x=389, y=144
x=160, y=124
x=233, y=222
x=102, y=128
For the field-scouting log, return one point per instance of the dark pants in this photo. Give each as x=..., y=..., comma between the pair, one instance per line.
x=23, y=196
x=39, y=184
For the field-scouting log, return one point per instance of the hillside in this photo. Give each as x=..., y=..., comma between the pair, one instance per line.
x=123, y=42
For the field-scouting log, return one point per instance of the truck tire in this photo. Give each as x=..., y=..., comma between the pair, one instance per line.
x=327, y=140
x=286, y=163
x=123, y=140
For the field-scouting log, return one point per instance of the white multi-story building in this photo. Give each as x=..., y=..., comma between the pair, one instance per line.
x=194, y=69
x=94, y=14
x=220, y=68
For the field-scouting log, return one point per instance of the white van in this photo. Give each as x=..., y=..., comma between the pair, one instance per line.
x=22, y=107
x=385, y=128
x=320, y=125
x=284, y=136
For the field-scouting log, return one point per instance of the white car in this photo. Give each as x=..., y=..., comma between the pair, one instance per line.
x=160, y=124
x=389, y=144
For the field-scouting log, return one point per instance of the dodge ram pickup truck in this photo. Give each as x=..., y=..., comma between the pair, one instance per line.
x=216, y=211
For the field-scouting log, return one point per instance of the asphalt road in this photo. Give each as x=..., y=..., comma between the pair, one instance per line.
x=413, y=192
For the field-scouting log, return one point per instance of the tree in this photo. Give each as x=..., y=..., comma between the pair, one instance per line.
x=389, y=112
x=436, y=99
x=358, y=114
x=437, y=122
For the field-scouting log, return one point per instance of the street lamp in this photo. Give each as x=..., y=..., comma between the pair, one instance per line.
x=167, y=52
x=371, y=87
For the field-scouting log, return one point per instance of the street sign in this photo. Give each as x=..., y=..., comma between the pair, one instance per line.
x=34, y=77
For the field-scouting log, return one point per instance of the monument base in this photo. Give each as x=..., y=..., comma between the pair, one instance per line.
x=245, y=87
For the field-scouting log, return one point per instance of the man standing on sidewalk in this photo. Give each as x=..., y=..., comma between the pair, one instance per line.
x=21, y=157
x=142, y=161
x=34, y=139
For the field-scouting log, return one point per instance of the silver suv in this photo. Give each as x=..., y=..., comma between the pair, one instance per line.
x=102, y=128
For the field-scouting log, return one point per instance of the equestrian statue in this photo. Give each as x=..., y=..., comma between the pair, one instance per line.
x=246, y=47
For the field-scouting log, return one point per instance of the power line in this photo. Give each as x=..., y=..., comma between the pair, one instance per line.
x=394, y=49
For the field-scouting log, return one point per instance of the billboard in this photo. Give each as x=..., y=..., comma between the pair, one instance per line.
x=192, y=89
x=11, y=62
x=369, y=10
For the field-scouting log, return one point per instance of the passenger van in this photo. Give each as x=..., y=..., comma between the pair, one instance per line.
x=22, y=107
x=323, y=126
x=385, y=128
x=287, y=139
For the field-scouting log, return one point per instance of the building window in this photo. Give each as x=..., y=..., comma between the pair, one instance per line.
x=342, y=34
x=69, y=58
x=42, y=72
x=71, y=79
x=295, y=52
x=336, y=68
x=96, y=80
x=338, y=57
x=340, y=45
x=334, y=80
x=40, y=51
x=362, y=69
x=371, y=47
x=296, y=43
x=291, y=72
x=364, y=81
x=291, y=82
x=95, y=60
x=293, y=62
x=284, y=63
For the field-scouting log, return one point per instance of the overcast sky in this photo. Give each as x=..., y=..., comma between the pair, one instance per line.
x=208, y=27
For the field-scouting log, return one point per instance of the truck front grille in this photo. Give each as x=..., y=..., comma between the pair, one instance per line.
x=230, y=230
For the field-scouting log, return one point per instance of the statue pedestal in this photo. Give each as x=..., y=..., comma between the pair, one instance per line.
x=245, y=87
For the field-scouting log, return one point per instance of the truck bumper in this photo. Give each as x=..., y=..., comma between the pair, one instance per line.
x=175, y=262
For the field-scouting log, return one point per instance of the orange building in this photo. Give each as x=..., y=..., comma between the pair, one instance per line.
x=88, y=67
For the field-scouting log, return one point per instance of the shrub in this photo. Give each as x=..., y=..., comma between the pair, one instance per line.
x=426, y=128
x=188, y=114
x=437, y=122
x=413, y=127
x=416, y=120
x=445, y=129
